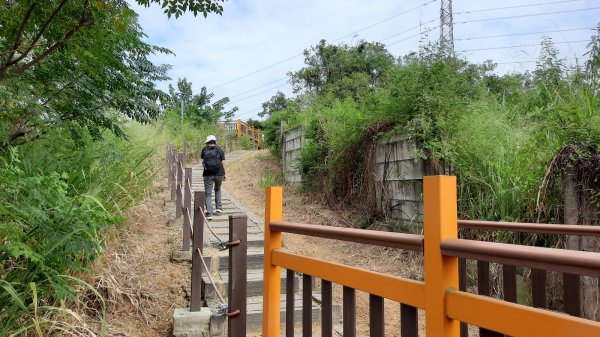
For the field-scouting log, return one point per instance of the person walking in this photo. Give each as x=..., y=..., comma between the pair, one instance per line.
x=214, y=174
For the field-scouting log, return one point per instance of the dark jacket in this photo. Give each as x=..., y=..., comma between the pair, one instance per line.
x=211, y=155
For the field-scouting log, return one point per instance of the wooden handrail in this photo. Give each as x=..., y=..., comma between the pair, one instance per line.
x=384, y=239
x=531, y=227
x=567, y=261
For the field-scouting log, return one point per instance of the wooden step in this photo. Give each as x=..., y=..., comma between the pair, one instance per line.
x=220, y=260
x=254, y=284
x=255, y=310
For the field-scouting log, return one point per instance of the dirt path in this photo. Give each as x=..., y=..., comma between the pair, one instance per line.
x=246, y=181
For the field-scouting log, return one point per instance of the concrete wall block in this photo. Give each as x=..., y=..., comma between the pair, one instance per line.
x=409, y=211
x=191, y=324
x=398, y=148
x=411, y=169
x=405, y=190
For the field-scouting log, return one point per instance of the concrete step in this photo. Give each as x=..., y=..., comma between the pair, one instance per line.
x=220, y=260
x=254, y=284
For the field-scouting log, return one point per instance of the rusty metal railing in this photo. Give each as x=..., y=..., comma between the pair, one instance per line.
x=445, y=305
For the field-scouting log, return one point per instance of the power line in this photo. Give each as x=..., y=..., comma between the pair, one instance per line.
x=519, y=34
x=402, y=13
x=409, y=29
x=249, y=112
x=528, y=15
x=261, y=86
x=461, y=39
x=384, y=20
x=258, y=93
x=535, y=61
x=338, y=39
x=512, y=7
x=521, y=46
x=256, y=71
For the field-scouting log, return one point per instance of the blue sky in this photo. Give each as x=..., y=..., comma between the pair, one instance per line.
x=246, y=53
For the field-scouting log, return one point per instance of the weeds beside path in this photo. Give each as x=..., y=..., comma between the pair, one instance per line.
x=140, y=283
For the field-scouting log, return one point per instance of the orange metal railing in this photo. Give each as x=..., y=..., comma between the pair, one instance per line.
x=248, y=131
x=445, y=306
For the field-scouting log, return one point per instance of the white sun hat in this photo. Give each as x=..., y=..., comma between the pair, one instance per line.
x=210, y=137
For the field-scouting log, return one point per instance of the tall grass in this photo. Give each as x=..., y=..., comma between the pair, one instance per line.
x=58, y=196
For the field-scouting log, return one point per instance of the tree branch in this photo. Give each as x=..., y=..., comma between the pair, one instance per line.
x=84, y=22
x=17, y=43
x=39, y=34
x=19, y=34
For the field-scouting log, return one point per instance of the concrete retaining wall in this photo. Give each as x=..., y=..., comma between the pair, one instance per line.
x=399, y=179
x=290, y=153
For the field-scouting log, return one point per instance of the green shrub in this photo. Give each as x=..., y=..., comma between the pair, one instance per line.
x=57, y=199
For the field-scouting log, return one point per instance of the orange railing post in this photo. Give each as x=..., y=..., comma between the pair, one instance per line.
x=272, y=273
x=239, y=128
x=441, y=272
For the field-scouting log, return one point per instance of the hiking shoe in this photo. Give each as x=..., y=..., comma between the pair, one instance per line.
x=219, y=210
x=208, y=216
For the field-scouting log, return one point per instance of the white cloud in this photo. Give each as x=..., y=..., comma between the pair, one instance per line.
x=252, y=35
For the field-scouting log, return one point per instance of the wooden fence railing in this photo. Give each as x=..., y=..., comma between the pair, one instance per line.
x=194, y=220
x=440, y=295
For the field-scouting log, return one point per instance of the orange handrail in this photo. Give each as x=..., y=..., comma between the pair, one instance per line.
x=445, y=306
x=247, y=130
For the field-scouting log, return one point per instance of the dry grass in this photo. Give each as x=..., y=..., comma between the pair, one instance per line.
x=135, y=278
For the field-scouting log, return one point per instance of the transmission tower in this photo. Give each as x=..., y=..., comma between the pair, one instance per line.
x=446, y=31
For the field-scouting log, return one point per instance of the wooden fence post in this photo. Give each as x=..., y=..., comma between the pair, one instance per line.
x=187, y=210
x=236, y=290
x=198, y=149
x=173, y=173
x=272, y=273
x=179, y=201
x=441, y=272
x=197, y=288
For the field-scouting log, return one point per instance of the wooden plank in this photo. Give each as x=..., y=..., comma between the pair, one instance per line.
x=306, y=305
x=349, y=312
x=376, y=316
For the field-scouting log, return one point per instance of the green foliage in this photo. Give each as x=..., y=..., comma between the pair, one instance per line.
x=56, y=70
x=176, y=132
x=56, y=201
x=178, y=7
x=342, y=70
x=277, y=103
x=197, y=109
x=270, y=179
x=498, y=133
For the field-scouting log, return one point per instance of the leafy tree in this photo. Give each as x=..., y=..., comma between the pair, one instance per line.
x=77, y=65
x=277, y=103
x=197, y=108
x=344, y=71
x=178, y=7
x=550, y=69
x=255, y=123
x=592, y=65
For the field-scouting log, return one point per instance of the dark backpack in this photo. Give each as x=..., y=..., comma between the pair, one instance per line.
x=212, y=160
